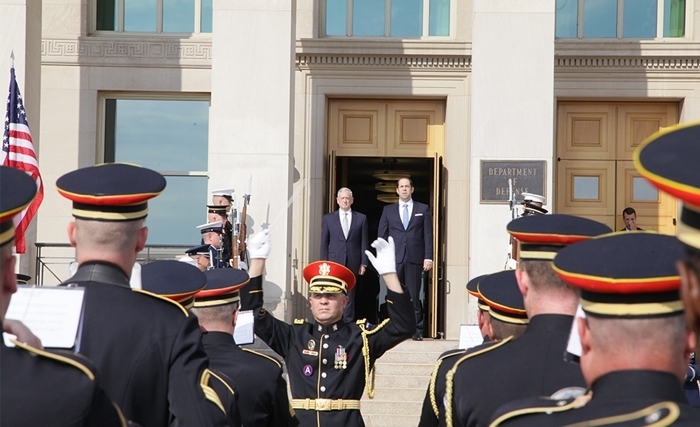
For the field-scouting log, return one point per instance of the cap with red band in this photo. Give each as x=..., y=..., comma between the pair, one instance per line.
x=328, y=277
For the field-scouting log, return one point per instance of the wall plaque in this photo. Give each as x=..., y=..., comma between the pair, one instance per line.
x=528, y=177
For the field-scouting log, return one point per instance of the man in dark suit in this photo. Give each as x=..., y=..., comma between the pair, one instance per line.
x=411, y=226
x=344, y=240
x=629, y=216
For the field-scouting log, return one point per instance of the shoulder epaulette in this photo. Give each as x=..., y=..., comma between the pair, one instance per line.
x=543, y=406
x=160, y=297
x=277, y=362
x=663, y=414
x=449, y=378
x=299, y=321
x=67, y=358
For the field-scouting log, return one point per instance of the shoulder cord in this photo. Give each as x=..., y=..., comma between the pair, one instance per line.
x=369, y=373
x=431, y=388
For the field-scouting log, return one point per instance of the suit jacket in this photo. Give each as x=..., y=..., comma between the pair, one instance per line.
x=147, y=350
x=335, y=247
x=415, y=243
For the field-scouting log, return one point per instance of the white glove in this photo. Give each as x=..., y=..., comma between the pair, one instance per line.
x=259, y=245
x=385, y=261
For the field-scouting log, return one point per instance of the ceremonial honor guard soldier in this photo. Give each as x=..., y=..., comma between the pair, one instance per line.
x=219, y=213
x=201, y=255
x=41, y=388
x=328, y=361
x=503, y=317
x=223, y=197
x=262, y=391
x=179, y=282
x=146, y=347
x=531, y=365
x=212, y=236
x=634, y=340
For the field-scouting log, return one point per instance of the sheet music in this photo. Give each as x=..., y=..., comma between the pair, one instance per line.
x=244, y=331
x=51, y=313
x=469, y=336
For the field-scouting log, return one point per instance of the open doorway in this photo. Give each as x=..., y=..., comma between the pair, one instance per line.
x=372, y=190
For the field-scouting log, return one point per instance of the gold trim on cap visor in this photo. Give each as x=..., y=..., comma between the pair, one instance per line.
x=111, y=216
x=7, y=235
x=543, y=255
x=215, y=302
x=620, y=309
x=688, y=235
x=508, y=319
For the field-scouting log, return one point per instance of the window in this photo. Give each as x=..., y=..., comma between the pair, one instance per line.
x=154, y=16
x=637, y=19
x=387, y=18
x=171, y=137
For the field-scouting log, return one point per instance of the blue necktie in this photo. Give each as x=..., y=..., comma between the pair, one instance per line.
x=405, y=216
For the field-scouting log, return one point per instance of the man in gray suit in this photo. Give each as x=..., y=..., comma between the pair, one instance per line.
x=344, y=240
x=411, y=226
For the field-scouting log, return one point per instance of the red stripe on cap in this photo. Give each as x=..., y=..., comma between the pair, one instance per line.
x=108, y=200
x=620, y=286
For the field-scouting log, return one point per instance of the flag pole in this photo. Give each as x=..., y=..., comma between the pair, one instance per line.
x=12, y=58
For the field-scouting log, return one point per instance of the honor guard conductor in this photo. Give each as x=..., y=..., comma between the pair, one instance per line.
x=329, y=361
x=146, y=347
x=41, y=388
x=634, y=340
x=484, y=381
x=262, y=390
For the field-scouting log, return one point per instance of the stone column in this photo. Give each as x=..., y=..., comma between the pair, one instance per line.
x=512, y=109
x=250, y=121
x=20, y=21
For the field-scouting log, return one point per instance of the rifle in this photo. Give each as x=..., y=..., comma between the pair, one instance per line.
x=243, y=229
x=233, y=219
x=511, y=257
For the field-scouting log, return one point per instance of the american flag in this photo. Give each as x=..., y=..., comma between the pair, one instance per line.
x=18, y=152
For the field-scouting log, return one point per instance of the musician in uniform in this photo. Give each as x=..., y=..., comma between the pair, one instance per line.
x=145, y=346
x=330, y=362
x=41, y=388
x=180, y=282
x=634, y=339
x=484, y=381
x=263, y=399
x=504, y=318
x=212, y=235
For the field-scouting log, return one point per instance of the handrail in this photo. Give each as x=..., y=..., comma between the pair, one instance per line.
x=44, y=263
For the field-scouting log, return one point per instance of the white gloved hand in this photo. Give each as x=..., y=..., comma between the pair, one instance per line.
x=385, y=261
x=259, y=245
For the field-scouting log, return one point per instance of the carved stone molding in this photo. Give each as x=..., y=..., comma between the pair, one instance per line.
x=456, y=62
x=644, y=63
x=124, y=52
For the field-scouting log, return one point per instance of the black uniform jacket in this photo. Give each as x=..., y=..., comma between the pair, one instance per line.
x=147, y=350
x=42, y=388
x=311, y=352
x=262, y=391
x=528, y=366
x=622, y=398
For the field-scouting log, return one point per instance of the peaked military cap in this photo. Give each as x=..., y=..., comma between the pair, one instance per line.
x=669, y=160
x=23, y=279
x=224, y=192
x=328, y=277
x=473, y=290
x=624, y=274
x=199, y=250
x=532, y=197
x=501, y=293
x=210, y=226
x=111, y=191
x=542, y=236
x=217, y=209
x=17, y=190
x=223, y=285
x=175, y=280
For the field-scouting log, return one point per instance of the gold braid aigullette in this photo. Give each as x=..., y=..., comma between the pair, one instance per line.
x=369, y=373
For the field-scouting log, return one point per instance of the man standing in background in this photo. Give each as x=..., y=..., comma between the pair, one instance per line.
x=411, y=226
x=344, y=240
